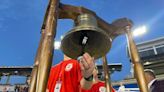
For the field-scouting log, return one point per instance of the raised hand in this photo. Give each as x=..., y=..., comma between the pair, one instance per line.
x=87, y=65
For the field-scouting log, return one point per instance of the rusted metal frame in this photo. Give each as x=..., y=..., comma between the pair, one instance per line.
x=66, y=13
x=44, y=55
x=138, y=68
x=47, y=49
x=34, y=73
x=106, y=75
x=33, y=78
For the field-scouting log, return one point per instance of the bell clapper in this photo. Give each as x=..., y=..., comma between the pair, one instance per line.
x=84, y=41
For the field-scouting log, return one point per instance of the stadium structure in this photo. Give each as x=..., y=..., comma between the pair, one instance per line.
x=152, y=57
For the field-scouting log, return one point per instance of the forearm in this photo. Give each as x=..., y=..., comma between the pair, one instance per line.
x=87, y=66
x=47, y=90
x=86, y=84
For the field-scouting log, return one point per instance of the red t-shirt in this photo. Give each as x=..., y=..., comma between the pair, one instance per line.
x=69, y=73
x=97, y=87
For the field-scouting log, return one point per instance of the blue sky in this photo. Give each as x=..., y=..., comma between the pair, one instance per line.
x=21, y=20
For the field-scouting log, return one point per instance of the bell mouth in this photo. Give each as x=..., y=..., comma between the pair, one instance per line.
x=97, y=44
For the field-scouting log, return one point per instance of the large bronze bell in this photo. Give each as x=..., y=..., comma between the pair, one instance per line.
x=86, y=37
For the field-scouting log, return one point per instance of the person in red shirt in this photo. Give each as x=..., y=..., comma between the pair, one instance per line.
x=70, y=74
x=98, y=86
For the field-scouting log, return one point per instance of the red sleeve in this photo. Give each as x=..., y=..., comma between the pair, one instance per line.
x=50, y=79
x=113, y=90
x=79, y=72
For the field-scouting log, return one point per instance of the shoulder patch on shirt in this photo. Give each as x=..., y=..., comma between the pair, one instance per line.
x=69, y=67
x=102, y=89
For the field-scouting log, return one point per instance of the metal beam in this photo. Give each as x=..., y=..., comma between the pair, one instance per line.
x=138, y=68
